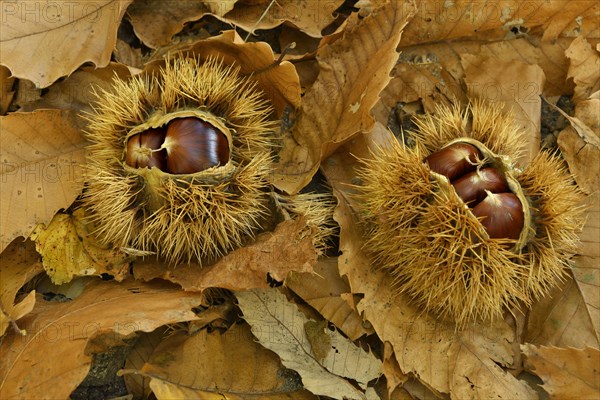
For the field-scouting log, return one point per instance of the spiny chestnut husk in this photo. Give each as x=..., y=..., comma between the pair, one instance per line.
x=462, y=230
x=179, y=161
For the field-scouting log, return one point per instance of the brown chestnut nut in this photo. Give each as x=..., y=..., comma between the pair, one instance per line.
x=143, y=150
x=472, y=186
x=194, y=145
x=454, y=160
x=501, y=215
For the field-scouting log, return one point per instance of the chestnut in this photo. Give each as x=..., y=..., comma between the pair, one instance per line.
x=501, y=215
x=472, y=186
x=143, y=150
x=454, y=160
x=193, y=145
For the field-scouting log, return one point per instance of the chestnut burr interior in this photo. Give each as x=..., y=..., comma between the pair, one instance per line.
x=482, y=187
x=182, y=146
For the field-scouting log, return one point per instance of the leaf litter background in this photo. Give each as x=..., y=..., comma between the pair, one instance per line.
x=85, y=321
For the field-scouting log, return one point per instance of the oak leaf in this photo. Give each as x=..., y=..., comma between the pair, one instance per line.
x=44, y=41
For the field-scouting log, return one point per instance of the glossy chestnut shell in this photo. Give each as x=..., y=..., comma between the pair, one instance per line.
x=182, y=146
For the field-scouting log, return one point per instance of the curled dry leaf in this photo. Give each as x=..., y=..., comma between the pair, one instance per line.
x=69, y=250
x=155, y=21
x=280, y=327
x=60, y=331
x=279, y=81
x=42, y=153
x=465, y=363
x=288, y=248
x=512, y=84
x=19, y=262
x=34, y=35
x=229, y=364
x=311, y=17
x=322, y=289
x=354, y=70
x=567, y=373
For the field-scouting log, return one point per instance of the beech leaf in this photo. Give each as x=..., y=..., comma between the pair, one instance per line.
x=42, y=153
x=43, y=41
x=280, y=327
x=353, y=71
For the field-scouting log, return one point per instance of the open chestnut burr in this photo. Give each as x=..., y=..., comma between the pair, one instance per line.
x=463, y=230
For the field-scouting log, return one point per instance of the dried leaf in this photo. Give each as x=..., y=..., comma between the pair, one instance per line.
x=41, y=154
x=18, y=264
x=6, y=89
x=60, y=331
x=279, y=326
x=286, y=249
x=464, y=363
x=34, y=37
x=279, y=81
x=566, y=372
x=68, y=250
x=580, y=143
x=207, y=365
x=584, y=68
x=569, y=316
x=311, y=17
x=438, y=20
x=322, y=289
x=146, y=343
x=514, y=85
x=354, y=70
x=76, y=91
x=156, y=21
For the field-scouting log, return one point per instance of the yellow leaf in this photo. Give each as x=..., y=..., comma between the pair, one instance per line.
x=68, y=250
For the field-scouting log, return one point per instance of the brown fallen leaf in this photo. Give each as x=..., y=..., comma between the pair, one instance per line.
x=584, y=68
x=60, y=331
x=280, y=326
x=513, y=85
x=44, y=41
x=438, y=20
x=311, y=17
x=217, y=365
x=276, y=254
x=19, y=262
x=354, y=70
x=567, y=373
x=278, y=80
x=155, y=22
x=42, y=153
x=6, y=89
x=142, y=350
x=464, y=363
x=322, y=289
x=76, y=91
x=69, y=250
x=569, y=317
